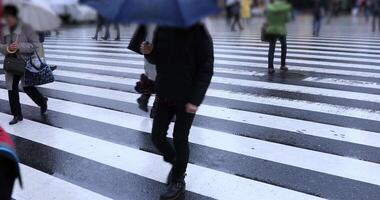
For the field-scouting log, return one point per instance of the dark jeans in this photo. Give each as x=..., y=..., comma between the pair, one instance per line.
x=236, y=21
x=14, y=97
x=179, y=155
x=7, y=178
x=272, y=49
x=316, y=27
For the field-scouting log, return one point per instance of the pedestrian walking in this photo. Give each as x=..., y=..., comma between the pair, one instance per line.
x=18, y=44
x=108, y=33
x=229, y=14
x=145, y=86
x=185, y=60
x=246, y=10
x=104, y=23
x=375, y=15
x=236, y=16
x=278, y=15
x=317, y=17
x=9, y=168
x=101, y=22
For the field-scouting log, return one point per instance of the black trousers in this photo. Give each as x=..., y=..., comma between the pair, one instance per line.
x=14, y=97
x=236, y=21
x=272, y=49
x=179, y=155
x=7, y=178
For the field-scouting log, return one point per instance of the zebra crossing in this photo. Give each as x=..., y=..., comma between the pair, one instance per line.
x=312, y=133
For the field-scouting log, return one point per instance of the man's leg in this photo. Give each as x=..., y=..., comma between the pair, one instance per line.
x=284, y=49
x=117, y=27
x=272, y=49
x=98, y=28
x=162, y=119
x=107, y=32
x=177, y=184
x=181, y=140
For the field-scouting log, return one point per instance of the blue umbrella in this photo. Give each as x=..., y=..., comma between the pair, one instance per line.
x=179, y=13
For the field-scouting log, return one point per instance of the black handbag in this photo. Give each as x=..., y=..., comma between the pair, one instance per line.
x=138, y=37
x=265, y=37
x=38, y=75
x=14, y=65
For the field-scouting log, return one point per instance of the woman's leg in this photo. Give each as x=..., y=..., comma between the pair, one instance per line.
x=37, y=97
x=14, y=97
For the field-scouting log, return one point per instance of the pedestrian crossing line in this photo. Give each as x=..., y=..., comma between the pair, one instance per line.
x=218, y=43
x=335, y=165
x=300, y=61
x=218, y=34
x=264, y=120
x=254, y=53
x=239, y=82
x=300, y=89
x=201, y=180
x=141, y=70
x=290, y=46
x=251, y=38
x=306, y=56
x=302, y=68
x=241, y=72
x=219, y=69
x=309, y=52
x=310, y=43
x=337, y=81
x=221, y=48
x=249, y=98
x=38, y=186
x=330, y=37
x=290, y=42
x=221, y=56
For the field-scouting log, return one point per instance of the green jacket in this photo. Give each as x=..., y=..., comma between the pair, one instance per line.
x=278, y=15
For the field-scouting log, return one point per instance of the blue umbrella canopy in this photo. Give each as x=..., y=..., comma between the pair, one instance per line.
x=179, y=13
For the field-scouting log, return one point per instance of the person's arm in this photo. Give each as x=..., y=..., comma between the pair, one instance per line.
x=205, y=68
x=32, y=43
x=150, y=54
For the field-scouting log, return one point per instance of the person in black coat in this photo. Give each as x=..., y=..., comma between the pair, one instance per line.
x=9, y=168
x=184, y=61
x=317, y=15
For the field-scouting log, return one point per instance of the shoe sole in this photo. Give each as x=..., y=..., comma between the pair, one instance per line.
x=180, y=195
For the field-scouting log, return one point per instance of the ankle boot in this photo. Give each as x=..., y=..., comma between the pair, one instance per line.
x=175, y=189
x=44, y=107
x=15, y=120
x=143, y=102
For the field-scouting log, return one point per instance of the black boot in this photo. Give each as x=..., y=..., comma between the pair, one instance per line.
x=44, y=107
x=143, y=102
x=175, y=190
x=16, y=119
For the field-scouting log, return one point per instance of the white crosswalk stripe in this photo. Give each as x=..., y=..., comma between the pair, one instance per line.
x=310, y=133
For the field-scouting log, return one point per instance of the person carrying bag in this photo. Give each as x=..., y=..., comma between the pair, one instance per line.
x=17, y=44
x=13, y=63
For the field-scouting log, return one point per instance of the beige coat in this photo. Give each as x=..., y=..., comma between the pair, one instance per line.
x=27, y=39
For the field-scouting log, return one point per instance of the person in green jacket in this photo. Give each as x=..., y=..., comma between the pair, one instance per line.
x=278, y=15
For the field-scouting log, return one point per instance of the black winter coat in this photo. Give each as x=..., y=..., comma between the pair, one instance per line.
x=185, y=63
